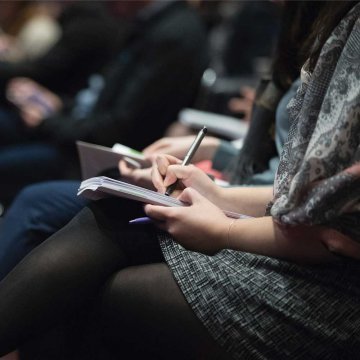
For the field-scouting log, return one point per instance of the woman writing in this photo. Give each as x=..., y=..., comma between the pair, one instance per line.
x=260, y=288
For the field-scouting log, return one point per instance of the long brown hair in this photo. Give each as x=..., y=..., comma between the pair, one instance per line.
x=330, y=15
x=298, y=18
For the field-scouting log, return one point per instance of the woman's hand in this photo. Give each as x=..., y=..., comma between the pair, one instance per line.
x=340, y=244
x=139, y=177
x=178, y=147
x=168, y=169
x=201, y=226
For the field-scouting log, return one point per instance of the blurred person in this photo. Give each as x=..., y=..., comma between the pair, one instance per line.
x=89, y=38
x=155, y=74
x=28, y=28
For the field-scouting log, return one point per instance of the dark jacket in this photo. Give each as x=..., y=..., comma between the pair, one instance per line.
x=155, y=75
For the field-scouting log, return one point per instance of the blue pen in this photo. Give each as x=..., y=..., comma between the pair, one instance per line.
x=141, y=220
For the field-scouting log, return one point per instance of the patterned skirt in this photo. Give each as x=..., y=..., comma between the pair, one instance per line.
x=258, y=307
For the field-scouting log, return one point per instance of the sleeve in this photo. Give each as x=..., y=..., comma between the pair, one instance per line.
x=224, y=154
x=149, y=89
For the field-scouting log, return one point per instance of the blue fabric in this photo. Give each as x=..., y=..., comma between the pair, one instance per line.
x=27, y=163
x=38, y=212
x=23, y=160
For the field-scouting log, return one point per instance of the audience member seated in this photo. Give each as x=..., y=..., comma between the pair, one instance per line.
x=196, y=284
x=89, y=38
x=28, y=29
x=155, y=74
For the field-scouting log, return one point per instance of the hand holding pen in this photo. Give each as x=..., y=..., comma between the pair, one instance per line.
x=187, y=159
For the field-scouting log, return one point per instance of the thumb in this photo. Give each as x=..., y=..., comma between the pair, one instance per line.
x=190, y=196
x=180, y=172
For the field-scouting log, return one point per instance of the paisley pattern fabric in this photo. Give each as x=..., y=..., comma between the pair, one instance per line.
x=318, y=179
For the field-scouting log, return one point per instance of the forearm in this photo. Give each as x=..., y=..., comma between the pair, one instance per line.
x=250, y=201
x=265, y=237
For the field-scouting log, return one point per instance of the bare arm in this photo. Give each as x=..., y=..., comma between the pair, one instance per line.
x=301, y=244
x=203, y=227
x=251, y=201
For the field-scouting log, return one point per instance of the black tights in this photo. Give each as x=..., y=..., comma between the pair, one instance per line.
x=110, y=280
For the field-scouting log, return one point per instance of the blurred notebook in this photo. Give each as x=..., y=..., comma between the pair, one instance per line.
x=221, y=125
x=100, y=187
x=97, y=159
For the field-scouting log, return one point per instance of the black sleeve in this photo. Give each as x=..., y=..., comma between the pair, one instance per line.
x=150, y=91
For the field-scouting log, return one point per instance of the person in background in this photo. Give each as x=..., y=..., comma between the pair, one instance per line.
x=155, y=74
x=28, y=29
x=89, y=37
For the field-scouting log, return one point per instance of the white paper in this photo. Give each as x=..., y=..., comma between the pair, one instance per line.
x=100, y=187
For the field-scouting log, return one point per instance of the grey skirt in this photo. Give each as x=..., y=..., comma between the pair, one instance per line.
x=258, y=307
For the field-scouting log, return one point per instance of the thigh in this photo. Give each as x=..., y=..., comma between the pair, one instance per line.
x=23, y=164
x=65, y=273
x=144, y=310
x=36, y=213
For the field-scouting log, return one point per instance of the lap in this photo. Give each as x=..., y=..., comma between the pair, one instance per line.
x=144, y=302
x=36, y=213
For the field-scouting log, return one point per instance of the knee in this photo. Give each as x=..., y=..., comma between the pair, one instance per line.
x=131, y=295
x=31, y=196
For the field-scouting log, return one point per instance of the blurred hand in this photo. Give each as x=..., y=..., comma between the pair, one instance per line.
x=139, y=177
x=179, y=146
x=33, y=100
x=201, y=226
x=243, y=104
x=340, y=244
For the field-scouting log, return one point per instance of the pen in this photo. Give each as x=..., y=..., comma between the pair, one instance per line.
x=188, y=156
x=141, y=220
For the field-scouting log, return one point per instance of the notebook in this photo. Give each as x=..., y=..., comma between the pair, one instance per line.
x=96, y=159
x=100, y=187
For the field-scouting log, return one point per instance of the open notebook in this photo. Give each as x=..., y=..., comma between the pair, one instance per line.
x=99, y=187
x=96, y=159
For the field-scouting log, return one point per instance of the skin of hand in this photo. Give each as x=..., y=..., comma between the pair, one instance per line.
x=178, y=147
x=243, y=104
x=340, y=244
x=201, y=226
x=167, y=169
x=33, y=100
x=139, y=177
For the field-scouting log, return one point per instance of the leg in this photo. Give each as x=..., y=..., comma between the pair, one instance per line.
x=66, y=272
x=36, y=213
x=27, y=163
x=145, y=306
